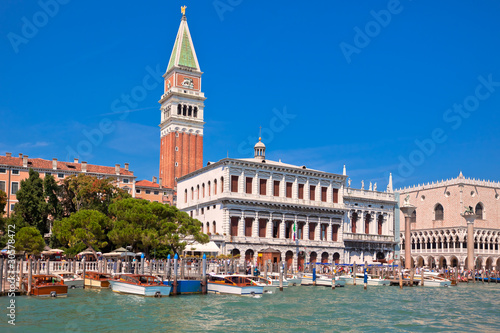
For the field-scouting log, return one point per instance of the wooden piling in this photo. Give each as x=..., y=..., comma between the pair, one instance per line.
x=182, y=264
x=83, y=274
x=265, y=270
x=365, y=272
x=412, y=274
x=1, y=275
x=422, y=277
x=400, y=273
x=354, y=273
x=174, y=285
x=281, y=276
x=30, y=274
x=21, y=267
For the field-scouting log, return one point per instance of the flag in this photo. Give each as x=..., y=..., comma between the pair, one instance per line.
x=294, y=231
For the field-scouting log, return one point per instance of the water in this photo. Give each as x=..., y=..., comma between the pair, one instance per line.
x=471, y=308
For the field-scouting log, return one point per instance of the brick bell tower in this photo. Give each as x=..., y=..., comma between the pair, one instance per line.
x=181, y=150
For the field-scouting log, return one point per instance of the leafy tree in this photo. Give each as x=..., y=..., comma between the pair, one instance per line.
x=52, y=192
x=89, y=192
x=3, y=202
x=150, y=225
x=31, y=205
x=30, y=240
x=87, y=227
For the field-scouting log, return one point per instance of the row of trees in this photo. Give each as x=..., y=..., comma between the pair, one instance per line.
x=91, y=212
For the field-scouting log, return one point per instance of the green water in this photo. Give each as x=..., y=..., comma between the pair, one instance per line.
x=471, y=308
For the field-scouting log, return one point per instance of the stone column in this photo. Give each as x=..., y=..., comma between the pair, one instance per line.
x=305, y=236
x=470, y=217
x=282, y=228
x=407, y=210
x=255, y=225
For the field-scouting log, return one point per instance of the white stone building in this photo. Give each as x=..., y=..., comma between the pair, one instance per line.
x=265, y=209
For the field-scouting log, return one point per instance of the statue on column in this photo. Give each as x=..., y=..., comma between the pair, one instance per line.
x=370, y=187
x=362, y=184
x=375, y=187
x=349, y=182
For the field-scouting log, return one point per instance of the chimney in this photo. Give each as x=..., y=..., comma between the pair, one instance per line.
x=75, y=161
x=117, y=169
x=8, y=154
x=126, y=166
x=84, y=166
x=154, y=179
x=20, y=155
x=54, y=163
x=25, y=161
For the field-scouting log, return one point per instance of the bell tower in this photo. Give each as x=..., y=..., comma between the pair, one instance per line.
x=182, y=107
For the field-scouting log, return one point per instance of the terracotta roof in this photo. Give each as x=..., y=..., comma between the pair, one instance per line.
x=146, y=183
x=39, y=163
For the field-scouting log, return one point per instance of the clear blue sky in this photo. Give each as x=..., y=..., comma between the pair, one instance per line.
x=360, y=99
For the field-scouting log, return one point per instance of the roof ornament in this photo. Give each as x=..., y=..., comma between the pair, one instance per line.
x=183, y=10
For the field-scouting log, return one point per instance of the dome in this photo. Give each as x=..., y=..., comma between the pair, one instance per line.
x=260, y=144
x=260, y=150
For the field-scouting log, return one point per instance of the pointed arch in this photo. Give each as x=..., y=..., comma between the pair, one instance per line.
x=438, y=212
x=479, y=211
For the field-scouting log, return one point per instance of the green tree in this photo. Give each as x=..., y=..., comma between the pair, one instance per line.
x=3, y=202
x=52, y=192
x=87, y=227
x=30, y=240
x=89, y=192
x=150, y=225
x=31, y=205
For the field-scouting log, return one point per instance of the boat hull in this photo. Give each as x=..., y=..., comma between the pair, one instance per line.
x=186, y=286
x=74, y=283
x=371, y=282
x=47, y=291
x=148, y=291
x=96, y=283
x=320, y=281
x=234, y=290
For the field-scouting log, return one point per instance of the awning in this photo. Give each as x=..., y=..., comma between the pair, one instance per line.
x=197, y=247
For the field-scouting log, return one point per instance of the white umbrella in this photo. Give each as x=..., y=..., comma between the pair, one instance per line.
x=127, y=254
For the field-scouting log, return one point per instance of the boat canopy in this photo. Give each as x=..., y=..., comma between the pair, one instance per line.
x=209, y=247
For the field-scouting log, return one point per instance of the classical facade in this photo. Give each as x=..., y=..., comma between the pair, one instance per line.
x=14, y=169
x=266, y=209
x=439, y=232
x=182, y=107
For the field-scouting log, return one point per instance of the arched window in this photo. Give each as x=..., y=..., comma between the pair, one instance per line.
x=179, y=109
x=184, y=110
x=208, y=227
x=215, y=186
x=414, y=217
x=195, y=112
x=198, y=190
x=214, y=229
x=209, y=189
x=438, y=212
x=190, y=111
x=354, y=220
x=221, y=184
x=192, y=193
x=185, y=195
x=203, y=189
x=479, y=211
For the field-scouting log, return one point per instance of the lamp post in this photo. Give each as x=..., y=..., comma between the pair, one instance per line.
x=408, y=210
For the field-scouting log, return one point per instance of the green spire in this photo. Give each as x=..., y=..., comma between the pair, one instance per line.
x=183, y=53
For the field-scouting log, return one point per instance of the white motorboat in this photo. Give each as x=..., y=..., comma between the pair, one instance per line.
x=293, y=280
x=433, y=281
x=144, y=285
x=234, y=285
x=372, y=280
x=275, y=278
x=269, y=288
x=71, y=279
x=321, y=280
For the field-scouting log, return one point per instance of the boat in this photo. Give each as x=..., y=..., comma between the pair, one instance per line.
x=234, y=285
x=321, y=280
x=372, y=280
x=268, y=285
x=293, y=280
x=46, y=285
x=185, y=286
x=487, y=279
x=97, y=280
x=140, y=284
x=275, y=278
x=434, y=281
x=72, y=280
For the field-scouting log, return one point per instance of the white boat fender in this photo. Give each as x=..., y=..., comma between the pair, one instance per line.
x=73, y=287
x=158, y=294
x=53, y=294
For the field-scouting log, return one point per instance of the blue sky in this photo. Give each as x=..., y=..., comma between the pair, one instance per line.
x=408, y=87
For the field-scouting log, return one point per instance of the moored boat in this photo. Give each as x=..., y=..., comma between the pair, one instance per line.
x=293, y=280
x=139, y=284
x=372, y=280
x=232, y=284
x=275, y=278
x=46, y=286
x=321, y=280
x=71, y=279
x=434, y=281
x=266, y=283
x=97, y=280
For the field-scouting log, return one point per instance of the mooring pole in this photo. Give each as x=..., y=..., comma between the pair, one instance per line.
x=30, y=272
x=204, y=275
x=174, y=286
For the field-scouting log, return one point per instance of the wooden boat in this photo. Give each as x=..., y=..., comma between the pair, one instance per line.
x=268, y=285
x=140, y=284
x=321, y=280
x=71, y=279
x=97, y=280
x=185, y=286
x=234, y=285
x=434, y=281
x=275, y=278
x=372, y=280
x=46, y=286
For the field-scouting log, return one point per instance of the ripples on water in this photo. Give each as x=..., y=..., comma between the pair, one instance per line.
x=297, y=309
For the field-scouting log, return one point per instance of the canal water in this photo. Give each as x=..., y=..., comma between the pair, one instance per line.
x=471, y=308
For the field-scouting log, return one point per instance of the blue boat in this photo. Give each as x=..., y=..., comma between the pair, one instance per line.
x=185, y=286
x=494, y=280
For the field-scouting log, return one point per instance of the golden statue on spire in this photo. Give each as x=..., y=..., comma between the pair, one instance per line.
x=183, y=10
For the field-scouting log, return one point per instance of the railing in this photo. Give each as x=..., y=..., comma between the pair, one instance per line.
x=369, y=194
x=368, y=237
